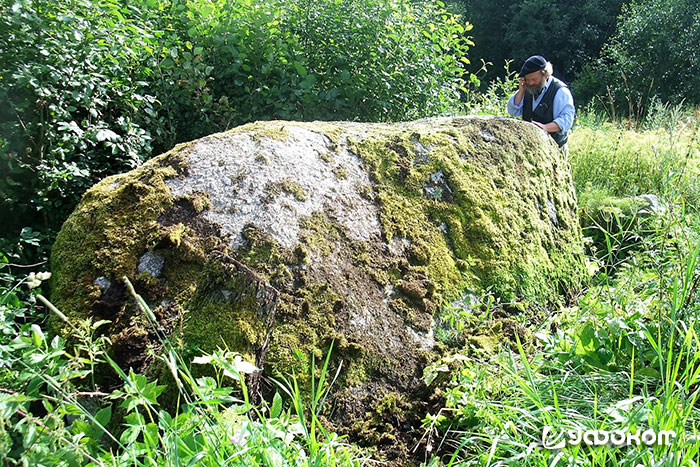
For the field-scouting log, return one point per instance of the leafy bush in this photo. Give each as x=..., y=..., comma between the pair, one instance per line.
x=611, y=334
x=616, y=228
x=494, y=99
x=239, y=61
x=75, y=109
x=646, y=315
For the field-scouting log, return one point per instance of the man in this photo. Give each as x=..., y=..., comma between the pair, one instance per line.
x=544, y=100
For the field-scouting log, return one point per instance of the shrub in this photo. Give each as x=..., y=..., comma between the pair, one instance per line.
x=233, y=62
x=75, y=109
x=93, y=88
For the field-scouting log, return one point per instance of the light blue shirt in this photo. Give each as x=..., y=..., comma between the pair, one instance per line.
x=563, y=106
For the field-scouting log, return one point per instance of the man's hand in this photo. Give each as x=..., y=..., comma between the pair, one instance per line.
x=521, y=92
x=551, y=127
x=522, y=87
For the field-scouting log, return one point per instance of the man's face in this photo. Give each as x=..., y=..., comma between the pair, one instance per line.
x=534, y=82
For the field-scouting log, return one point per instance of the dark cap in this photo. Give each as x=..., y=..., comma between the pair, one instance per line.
x=534, y=63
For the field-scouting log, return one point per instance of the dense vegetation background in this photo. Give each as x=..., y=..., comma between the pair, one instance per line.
x=89, y=88
x=96, y=87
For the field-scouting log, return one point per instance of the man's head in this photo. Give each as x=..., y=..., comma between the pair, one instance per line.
x=535, y=71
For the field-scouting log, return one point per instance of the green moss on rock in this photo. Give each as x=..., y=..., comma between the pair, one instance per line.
x=498, y=213
x=456, y=205
x=286, y=186
x=114, y=224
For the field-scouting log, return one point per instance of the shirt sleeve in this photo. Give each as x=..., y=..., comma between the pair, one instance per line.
x=515, y=110
x=563, y=109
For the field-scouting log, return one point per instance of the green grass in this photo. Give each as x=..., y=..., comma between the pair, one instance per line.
x=48, y=417
x=606, y=158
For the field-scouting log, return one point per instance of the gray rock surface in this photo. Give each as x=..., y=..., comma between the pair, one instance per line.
x=275, y=239
x=236, y=171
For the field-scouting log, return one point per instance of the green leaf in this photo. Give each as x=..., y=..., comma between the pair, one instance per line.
x=594, y=360
x=37, y=335
x=300, y=69
x=276, y=408
x=648, y=371
x=106, y=135
x=605, y=356
x=587, y=334
x=81, y=426
x=72, y=409
x=104, y=415
x=195, y=460
x=150, y=434
x=432, y=371
x=48, y=406
x=129, y=435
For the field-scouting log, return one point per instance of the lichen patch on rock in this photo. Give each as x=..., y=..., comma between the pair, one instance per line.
x=229, y=169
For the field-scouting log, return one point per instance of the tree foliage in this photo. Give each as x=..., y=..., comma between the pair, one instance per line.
x=310, y=59
x=71, y=94
x=653, y=54
x=569, y=34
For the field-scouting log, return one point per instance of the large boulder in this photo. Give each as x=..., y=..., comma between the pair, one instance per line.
x=280, y=235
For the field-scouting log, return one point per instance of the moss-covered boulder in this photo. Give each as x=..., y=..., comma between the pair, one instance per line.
x=282, y=235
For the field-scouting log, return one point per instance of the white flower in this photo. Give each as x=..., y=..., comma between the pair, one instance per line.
x=34, y=280
x=243, y=366
x=202, y=360
x=43, y=276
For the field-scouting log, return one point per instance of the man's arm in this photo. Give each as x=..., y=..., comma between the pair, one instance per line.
x=515, y=103
x=551, y=127
x=564, y=110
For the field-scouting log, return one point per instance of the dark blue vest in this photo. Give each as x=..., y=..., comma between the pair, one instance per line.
x=544, y=113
